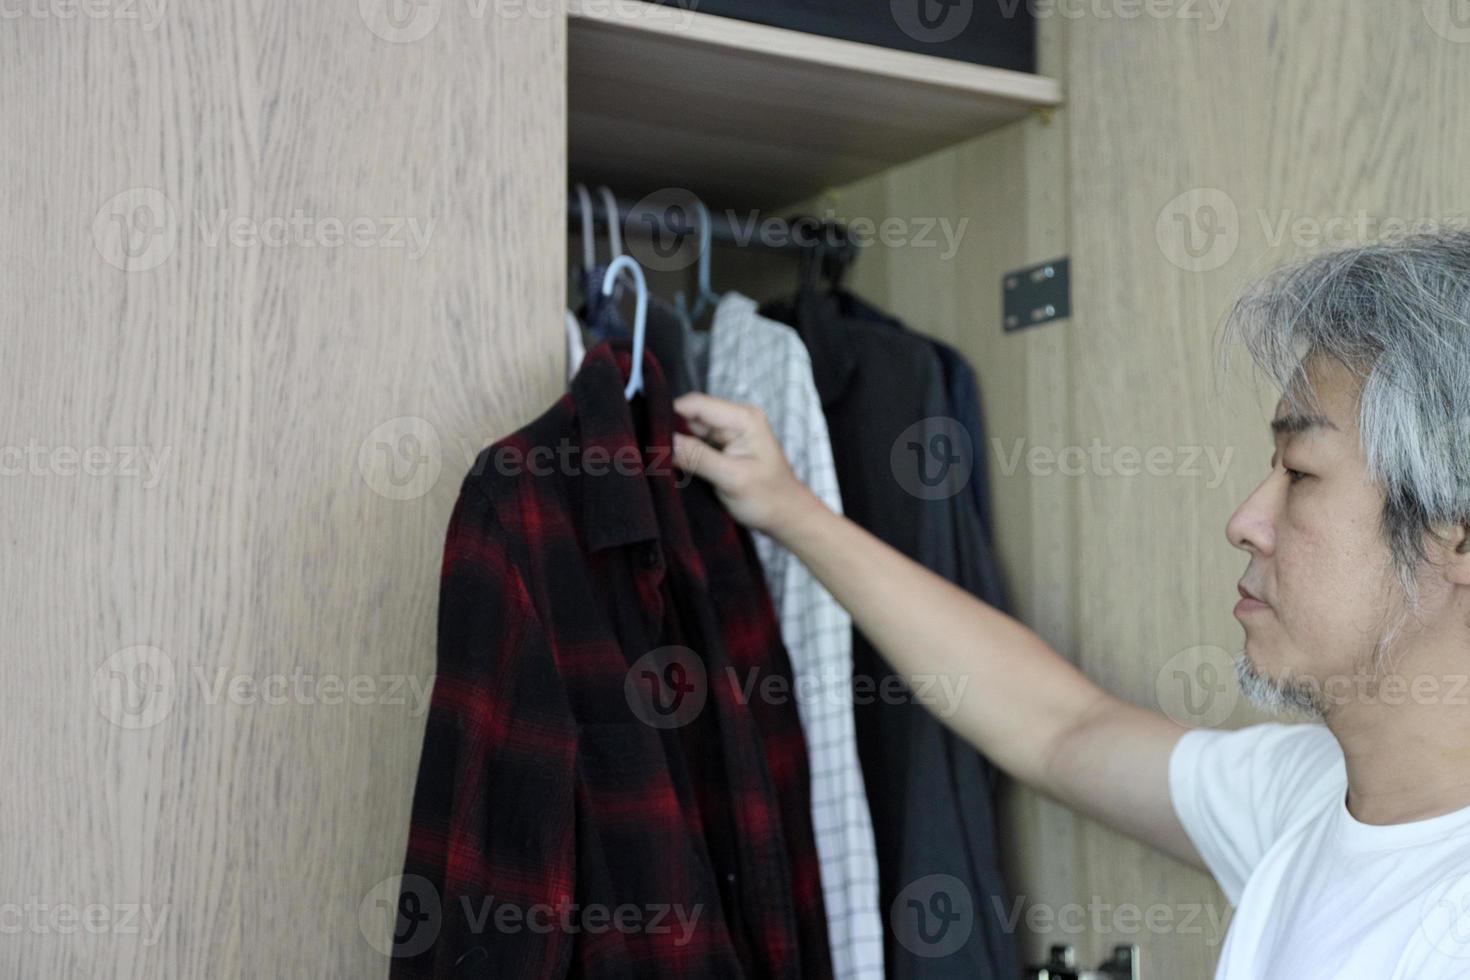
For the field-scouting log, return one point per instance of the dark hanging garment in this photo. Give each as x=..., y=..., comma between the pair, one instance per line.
x=884, y=392
x=962, y=388
x=597, y=796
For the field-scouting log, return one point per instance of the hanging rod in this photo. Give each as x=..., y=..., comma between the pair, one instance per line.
x=799, y=235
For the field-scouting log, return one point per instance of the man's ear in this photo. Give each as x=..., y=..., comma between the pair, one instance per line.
x=1457, y=555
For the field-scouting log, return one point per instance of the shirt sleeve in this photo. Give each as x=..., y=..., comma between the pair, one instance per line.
x=1236, y=792
x=492, y=834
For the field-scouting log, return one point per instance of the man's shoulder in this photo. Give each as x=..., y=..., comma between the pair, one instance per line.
x=1294, y=768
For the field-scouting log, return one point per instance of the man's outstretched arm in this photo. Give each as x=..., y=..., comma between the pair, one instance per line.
x=1020, y=703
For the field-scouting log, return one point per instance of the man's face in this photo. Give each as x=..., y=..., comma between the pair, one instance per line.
x=1319, y=563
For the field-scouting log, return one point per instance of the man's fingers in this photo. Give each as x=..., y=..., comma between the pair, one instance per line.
x=715, y=419
x=703, y=460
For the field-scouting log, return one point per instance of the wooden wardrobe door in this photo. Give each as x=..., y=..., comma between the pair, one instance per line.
x=272, y=274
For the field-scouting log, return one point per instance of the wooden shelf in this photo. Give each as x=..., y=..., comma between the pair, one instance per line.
x=747, y=115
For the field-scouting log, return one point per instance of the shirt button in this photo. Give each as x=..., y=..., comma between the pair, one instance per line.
x=648, y=555
x=730, y=877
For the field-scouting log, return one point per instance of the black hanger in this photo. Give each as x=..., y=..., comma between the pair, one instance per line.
x=828, y=259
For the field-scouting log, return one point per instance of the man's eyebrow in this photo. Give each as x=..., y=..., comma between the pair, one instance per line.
x=1292, y=424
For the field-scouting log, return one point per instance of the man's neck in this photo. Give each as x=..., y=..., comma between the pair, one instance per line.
x=1407, y=748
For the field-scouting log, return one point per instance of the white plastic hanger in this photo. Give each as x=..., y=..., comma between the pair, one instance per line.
x=614, y=222
x=589, y=241
x=619, y=265
x=705, y=297
x=576, y=349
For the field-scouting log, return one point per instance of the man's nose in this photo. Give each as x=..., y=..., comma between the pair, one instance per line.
x=1252, y=527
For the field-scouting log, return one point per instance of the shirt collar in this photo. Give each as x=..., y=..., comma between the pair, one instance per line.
x=618, y=505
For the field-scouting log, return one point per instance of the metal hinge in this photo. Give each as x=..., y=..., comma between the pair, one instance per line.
x=1124, y=964
x=1036, y=295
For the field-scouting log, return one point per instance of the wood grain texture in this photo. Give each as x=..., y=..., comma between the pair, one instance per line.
x=1284, y=111
x=294, y=531
x=750, y=115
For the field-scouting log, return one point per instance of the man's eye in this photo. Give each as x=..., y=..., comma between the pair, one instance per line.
x=1294, y=475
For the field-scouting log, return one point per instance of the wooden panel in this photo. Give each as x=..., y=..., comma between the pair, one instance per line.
x=218, y=670
x=1287, y=110
x=750, y=115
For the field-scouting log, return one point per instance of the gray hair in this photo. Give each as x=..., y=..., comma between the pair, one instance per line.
x=1397, y=314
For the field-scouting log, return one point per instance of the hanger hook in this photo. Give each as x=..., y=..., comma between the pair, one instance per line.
x=589, y=241
x=624, y=263
x=614, y=221
x=706, y=237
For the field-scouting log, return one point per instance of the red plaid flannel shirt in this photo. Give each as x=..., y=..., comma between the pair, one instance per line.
x=603, y=791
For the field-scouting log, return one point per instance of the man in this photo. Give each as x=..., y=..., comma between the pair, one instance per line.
x=1344, y=844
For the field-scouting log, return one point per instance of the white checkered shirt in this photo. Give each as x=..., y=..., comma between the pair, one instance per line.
x=761, y=362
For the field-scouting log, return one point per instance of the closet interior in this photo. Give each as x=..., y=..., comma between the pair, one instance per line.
x=763, y=162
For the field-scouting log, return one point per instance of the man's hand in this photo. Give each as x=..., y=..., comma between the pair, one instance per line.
x=738, y=454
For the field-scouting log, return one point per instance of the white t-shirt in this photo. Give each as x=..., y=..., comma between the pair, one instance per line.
x=1318, y=894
